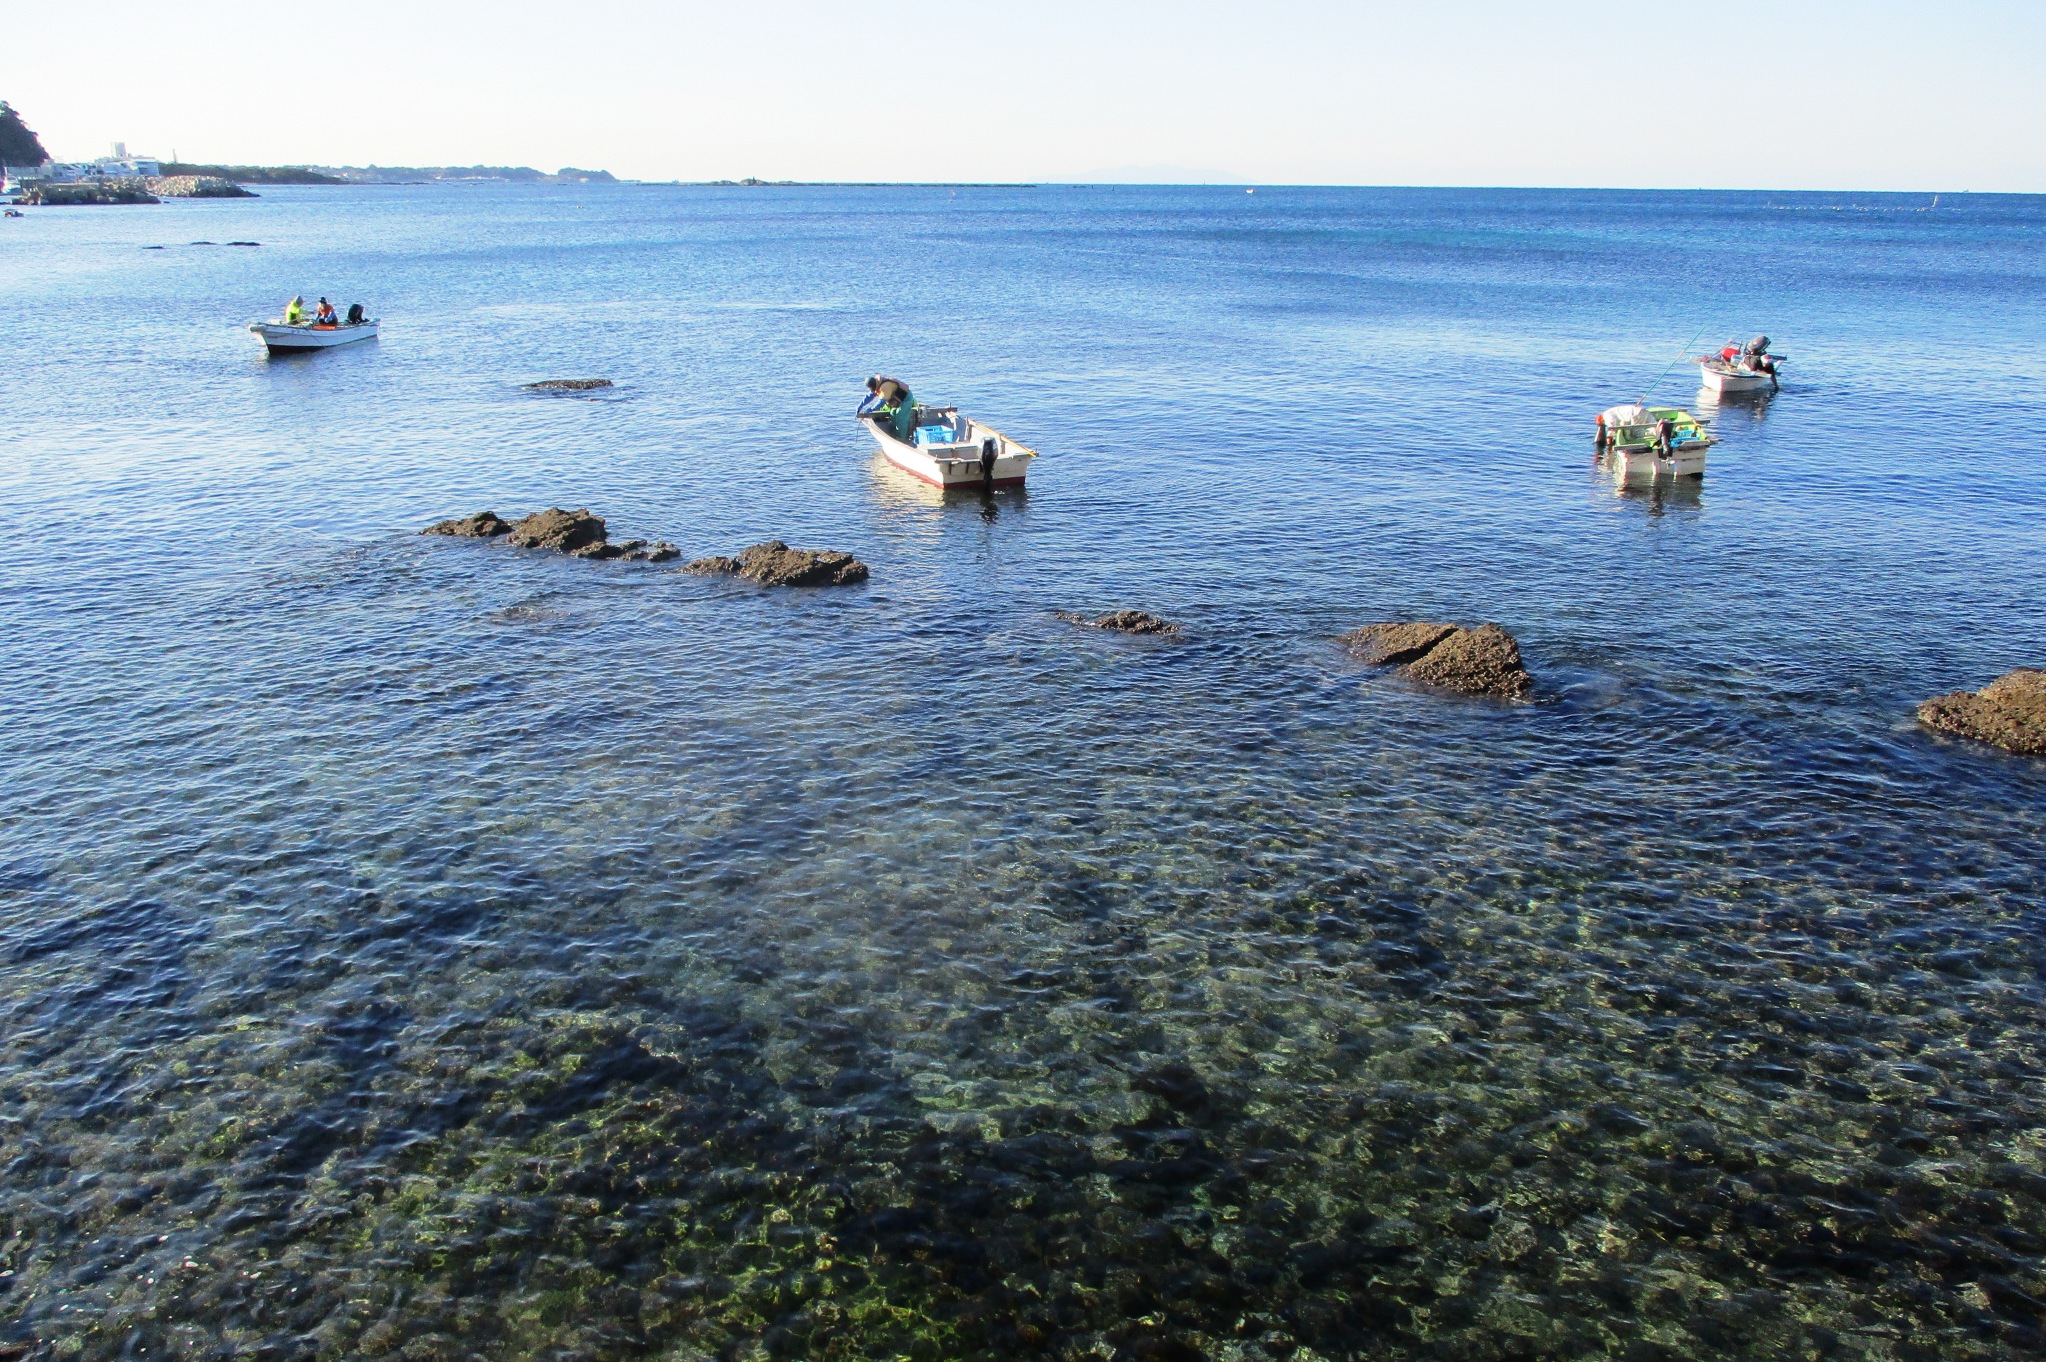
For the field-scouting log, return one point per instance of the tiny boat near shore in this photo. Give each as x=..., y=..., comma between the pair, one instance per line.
x=281, y=335
x=1652, y=442
x=949, y=450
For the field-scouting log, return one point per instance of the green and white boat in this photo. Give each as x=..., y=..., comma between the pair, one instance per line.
x=1654, y=442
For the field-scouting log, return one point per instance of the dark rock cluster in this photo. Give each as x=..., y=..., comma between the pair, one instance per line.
x=776, y=564
x=576, y=533
x=1480, y=661
x=568, y=385
x=2009, y=712
x=1121, y=621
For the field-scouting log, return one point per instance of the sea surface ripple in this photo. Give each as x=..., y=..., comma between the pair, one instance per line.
x=414, y=948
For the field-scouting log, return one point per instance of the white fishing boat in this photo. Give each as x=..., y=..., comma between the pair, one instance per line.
x=949, y=450
x=279, y=334
x=1722, y=377
x=1740, y=367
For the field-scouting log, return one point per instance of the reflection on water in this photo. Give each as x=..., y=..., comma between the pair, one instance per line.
x=416, y=949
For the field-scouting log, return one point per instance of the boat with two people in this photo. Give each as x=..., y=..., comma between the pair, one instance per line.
x=1741, y=367
x=940, y=445
x=323, y=329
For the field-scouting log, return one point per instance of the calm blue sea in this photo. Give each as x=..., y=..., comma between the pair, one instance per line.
x=414, y=948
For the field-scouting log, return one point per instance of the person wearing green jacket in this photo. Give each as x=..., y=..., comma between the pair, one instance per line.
x=891, y=398
x=294, y=312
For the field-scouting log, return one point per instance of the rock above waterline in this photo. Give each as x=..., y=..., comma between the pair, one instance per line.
x=482, y=525
x=776, y=564
x=554, y=528
x=1386, y=645
x=2009, y=712
x=1480, y=661
x=568, y=385
x=1122, y=621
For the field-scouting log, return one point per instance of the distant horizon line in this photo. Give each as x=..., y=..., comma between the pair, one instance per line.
x=756, y=183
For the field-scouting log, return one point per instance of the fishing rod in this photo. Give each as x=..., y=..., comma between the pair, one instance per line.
x=1642, y=400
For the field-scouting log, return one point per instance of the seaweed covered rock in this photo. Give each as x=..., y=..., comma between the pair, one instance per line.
x=776, y=564
x=554, y=528
x=1387, y=645
x=1480, y=661
x=1122, y=621
x=2009, y=712
x=482, y=525
x=568, y=385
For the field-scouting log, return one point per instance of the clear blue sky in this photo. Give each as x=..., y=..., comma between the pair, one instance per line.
x=1818, y=94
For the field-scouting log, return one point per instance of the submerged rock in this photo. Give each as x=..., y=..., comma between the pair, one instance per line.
x=554, y=528
x=1480, y=661
x=568, y=385
x=482, y=525
x=575, y=533
x=776, y=564
x=1385, y=645
x=2009, y=712
x=631, y=551
x=1122, y=621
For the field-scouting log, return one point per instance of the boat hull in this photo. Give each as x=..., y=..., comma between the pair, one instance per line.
x=1646, y=465
x=1733, y=380
x=960, y=465
x=280, y=337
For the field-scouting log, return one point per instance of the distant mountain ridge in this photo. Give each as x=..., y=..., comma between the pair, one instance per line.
x=387, y=174
x=252, y=174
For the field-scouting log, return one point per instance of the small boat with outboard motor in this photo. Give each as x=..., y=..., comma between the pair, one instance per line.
x=1741, y=368
x=321, y=331
x=1653, y=442
x=947, y=449
x=279, y=334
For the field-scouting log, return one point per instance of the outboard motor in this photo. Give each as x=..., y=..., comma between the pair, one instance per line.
x=988, y=450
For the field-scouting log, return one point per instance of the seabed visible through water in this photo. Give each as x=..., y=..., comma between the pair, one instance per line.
x=421, y=949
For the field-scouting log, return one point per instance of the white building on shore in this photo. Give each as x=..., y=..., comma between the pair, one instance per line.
x=119, y=166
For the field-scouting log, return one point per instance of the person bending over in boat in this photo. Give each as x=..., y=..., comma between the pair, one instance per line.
x=323, y=315
x=294, y=311
x=891, y=397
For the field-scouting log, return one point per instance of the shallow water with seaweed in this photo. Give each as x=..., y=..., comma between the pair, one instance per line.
x=419, y=949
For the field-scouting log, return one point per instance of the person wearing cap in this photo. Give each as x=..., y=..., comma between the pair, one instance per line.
x=323, y=315
x=891, y=397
